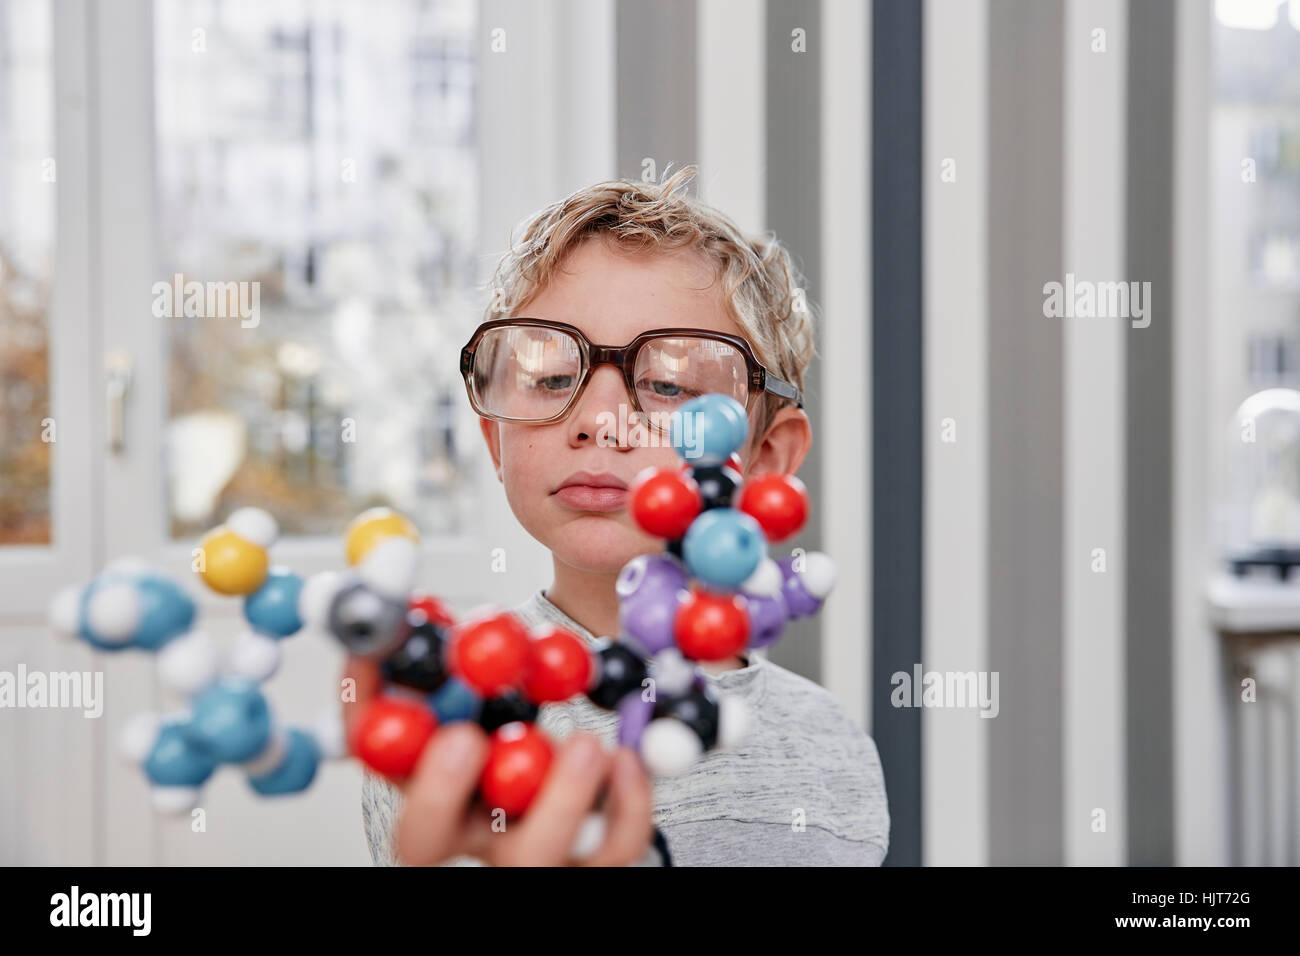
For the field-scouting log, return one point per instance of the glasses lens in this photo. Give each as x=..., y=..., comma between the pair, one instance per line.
x=673, y=370
x=526, y=373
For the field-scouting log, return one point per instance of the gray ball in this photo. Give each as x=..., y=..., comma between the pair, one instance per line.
x=367, y=623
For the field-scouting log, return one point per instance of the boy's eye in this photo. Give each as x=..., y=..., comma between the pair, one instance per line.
x=664, y=389
x=557, y=383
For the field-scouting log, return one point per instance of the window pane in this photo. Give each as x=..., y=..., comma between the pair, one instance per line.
x=27, y=196
x=1255, y=279
x=1255, y=128
x=317, y=182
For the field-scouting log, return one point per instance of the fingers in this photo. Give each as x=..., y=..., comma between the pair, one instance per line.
x=628, y=808
x=546, y=833
x=438, y=794
x=365, y=673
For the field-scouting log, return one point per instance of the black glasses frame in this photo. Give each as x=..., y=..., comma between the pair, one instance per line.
x=623, y=358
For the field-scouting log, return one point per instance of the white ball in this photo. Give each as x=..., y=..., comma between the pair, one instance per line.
x=818, y=574
x=590, y=835
x=175, y=799
x=766, y=581
x=255, y=525
x=672, y=672
x=138, y=737
x=188, y=663
x=733, y=721
x=254, y=656
x=630, y=578
x=113, y=612
x=129, y=565
x=315, y=597
x=669, y=747
x=65, y=611
x=389, y=568
x=327, y=729
x=272, y=754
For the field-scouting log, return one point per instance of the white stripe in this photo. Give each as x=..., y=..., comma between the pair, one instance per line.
x=730, y=109
x=842, y=436
x=955, y=812
x=1202, y=768
x=1094, y=371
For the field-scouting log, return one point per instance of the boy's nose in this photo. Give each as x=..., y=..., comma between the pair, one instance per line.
x=597, y=415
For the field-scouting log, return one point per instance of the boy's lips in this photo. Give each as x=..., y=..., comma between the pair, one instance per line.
x=589, y=492
x=588, y=498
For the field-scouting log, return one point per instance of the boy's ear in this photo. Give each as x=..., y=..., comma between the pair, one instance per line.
x=783, y=446
x=492, y=435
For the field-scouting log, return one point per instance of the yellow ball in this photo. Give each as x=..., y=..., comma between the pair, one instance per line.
x=231, y=564
x=370, y=527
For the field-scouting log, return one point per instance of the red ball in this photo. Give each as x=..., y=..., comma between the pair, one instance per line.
x=390, y=735
x=779, y=503
x=711, y=627
x=559, y=666
x=664, y=502
x=490, y=653
x=519, y=757
x=434, y=610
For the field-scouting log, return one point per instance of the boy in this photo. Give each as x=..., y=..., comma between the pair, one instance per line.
x=613, y=261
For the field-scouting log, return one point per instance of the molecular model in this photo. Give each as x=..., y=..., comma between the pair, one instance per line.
x=229, y=721
x=711, y=593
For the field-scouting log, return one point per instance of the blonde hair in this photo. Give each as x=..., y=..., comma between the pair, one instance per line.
x=764, y=289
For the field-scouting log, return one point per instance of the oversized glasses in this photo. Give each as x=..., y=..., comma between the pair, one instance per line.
x=534, y=370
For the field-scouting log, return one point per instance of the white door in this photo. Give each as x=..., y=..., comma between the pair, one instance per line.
x=251, y=151
x=48, y=501
x=331, y=166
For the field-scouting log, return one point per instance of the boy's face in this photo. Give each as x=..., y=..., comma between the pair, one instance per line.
x=612, y=297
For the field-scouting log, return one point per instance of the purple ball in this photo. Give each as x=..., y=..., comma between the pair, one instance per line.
x=797, y=600
x=634, y=714
x=767, y=618
x=649, y=588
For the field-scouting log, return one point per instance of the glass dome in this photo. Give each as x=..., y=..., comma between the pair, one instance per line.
x=1263, y=458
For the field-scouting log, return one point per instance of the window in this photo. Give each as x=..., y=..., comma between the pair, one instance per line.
x=28, y=179
x=317, y=178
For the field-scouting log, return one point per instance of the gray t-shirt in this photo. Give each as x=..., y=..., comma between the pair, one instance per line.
x=805, y=787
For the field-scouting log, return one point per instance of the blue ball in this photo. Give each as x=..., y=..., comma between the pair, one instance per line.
x=723, y=547
x=273, y=608
x=708, y=429
x=175, y=761
x=454, y=701
x=295, y=772
x=166, y=611
x=231, y=720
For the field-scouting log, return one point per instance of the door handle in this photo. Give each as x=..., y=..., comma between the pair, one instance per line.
x=117, y=367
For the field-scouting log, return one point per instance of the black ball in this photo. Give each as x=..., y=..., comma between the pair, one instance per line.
x=620, y=671
x=674, y=547
x=505, y=709
x=718, y=484
x=698, y=710
x=418, y=661
x=365, y=622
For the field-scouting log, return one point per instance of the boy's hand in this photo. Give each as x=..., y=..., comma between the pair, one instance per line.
x=442, y=819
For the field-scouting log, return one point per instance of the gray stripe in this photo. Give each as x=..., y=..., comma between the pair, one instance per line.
x=1148, y=602
x=1026, y=89
x=656, y=76
x=793, y=211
